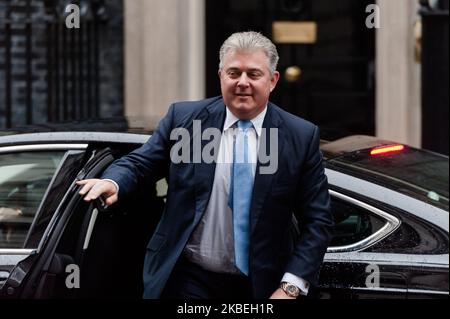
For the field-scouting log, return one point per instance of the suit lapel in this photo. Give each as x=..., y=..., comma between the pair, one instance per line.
x=212, y=116
x=263, y=182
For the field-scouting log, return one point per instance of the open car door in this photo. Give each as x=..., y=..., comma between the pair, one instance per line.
x=93, y=252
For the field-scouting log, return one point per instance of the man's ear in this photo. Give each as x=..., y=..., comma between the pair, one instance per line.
x=274, y=80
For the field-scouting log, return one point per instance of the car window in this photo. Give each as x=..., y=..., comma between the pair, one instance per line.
x=352, y=223
x=24, y=178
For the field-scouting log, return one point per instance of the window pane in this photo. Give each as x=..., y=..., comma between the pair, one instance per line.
x=24, y=178
x=353, y=223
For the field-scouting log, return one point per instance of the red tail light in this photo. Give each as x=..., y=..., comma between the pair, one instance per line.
x=387, y=149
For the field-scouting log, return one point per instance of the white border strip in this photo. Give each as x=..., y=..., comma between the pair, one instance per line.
x=42, y=147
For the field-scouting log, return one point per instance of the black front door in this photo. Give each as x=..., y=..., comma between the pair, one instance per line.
x=329, y=81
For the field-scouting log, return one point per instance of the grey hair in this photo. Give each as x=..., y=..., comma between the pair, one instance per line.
x=250, y=41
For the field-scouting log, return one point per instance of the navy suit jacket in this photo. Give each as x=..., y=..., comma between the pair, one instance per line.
x=299, y=186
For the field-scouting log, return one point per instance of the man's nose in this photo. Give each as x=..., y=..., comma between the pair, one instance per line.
x=243, y=80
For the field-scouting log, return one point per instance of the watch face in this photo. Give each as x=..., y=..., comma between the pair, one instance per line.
x=292, y=289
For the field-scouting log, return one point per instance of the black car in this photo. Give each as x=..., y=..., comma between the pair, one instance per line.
x=389, y=201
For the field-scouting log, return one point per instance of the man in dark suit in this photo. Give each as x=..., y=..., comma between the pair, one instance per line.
x=226, y=228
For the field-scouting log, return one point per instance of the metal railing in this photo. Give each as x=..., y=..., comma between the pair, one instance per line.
x=71, y=67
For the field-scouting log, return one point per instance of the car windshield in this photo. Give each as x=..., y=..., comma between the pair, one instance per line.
x=414, y=172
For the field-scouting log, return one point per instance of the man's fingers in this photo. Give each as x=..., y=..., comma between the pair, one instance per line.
x=91, y=189
x=85, y=188
x=94, y=188
x=88, y=184
x=111, y=200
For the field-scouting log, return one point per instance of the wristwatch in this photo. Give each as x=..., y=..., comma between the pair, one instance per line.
x=290, y=289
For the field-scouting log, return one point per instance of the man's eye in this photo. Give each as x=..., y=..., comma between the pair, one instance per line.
x=254, y=75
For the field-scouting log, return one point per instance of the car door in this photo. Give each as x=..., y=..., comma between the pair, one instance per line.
x=92, y=252
x=32, y=182
x=47, y=277
x=348, y=272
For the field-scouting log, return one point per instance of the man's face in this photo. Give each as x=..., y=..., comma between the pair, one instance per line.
x=246, y=82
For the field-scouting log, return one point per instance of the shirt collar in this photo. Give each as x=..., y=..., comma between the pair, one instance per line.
x=257, y=121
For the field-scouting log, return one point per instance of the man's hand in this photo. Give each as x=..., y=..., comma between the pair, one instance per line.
x=280, y=294
x=93, y=188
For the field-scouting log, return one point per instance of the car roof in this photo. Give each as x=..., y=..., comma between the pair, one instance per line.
x=349, y=144
x=414, y=172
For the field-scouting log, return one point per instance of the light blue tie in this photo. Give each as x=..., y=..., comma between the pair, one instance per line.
x=239, y=200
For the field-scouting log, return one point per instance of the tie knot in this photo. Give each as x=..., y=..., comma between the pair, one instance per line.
x=244, y=124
